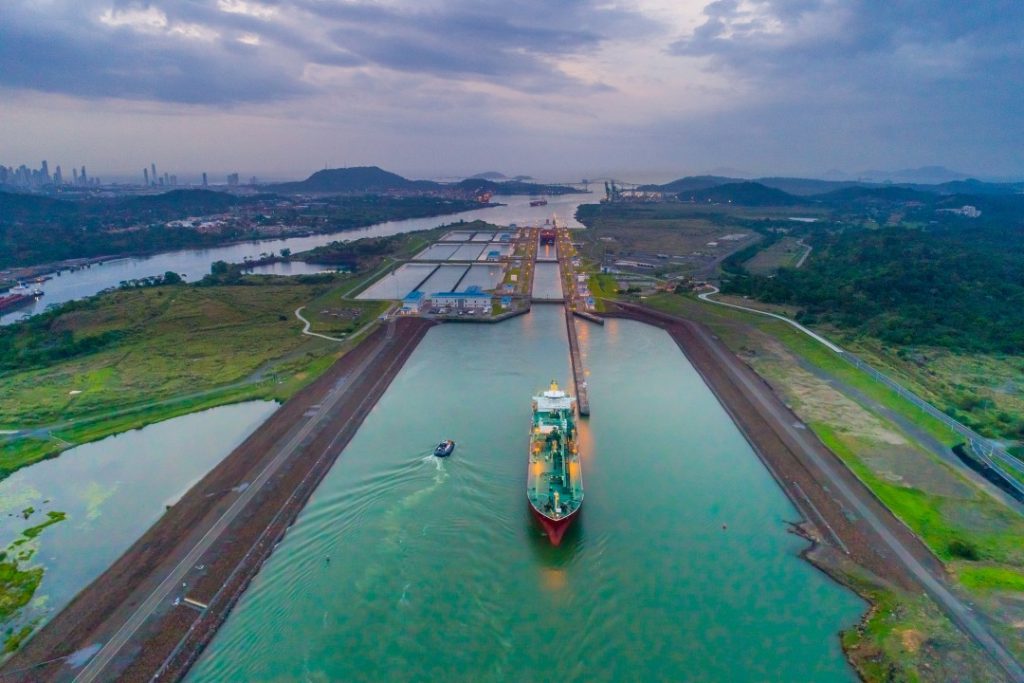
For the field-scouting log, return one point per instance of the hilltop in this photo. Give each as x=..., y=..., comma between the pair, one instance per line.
x=375, y=180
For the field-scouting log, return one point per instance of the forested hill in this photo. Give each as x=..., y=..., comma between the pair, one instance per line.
x=746, y=194
x=371, y=179
x=958, y=283
x=357, y=179
x=808, y=187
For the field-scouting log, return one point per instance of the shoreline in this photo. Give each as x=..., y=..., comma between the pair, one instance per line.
x=857, y=540
x=293, y=454
x=53, y=268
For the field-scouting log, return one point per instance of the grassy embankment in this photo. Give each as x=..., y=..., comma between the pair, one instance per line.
x=121, y=360
x=980, y=540
x=784, y=253
x=172, y=351
x=981, y=390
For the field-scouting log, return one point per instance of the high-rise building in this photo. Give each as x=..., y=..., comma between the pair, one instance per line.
x=152, y=172
x=205, y=184
x=233, y=180
x=58, y=177
x=145, y=177
x=83, y=177
x=74, y=172
x=45, y=172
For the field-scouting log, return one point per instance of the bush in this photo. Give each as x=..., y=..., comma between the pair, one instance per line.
x=965, y=550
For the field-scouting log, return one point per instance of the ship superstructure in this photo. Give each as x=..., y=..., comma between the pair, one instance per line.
x=554, y=483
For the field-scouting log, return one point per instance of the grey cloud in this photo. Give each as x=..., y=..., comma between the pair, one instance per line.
x=73, y=55
x=63, y=48
x=915, y=79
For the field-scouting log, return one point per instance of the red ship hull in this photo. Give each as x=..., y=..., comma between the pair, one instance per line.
x=555, y=528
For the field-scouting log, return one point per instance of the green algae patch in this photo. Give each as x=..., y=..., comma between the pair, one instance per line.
x=17, y=586
x=14, y=638
x=53, y=518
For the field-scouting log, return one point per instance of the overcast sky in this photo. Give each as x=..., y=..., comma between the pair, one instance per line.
x=552, y=88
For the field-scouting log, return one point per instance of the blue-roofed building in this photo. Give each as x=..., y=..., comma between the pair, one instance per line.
x=473, y=299
x=413, y=303
x=494, y=255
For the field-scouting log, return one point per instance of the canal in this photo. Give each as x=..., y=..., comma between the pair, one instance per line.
x=406, y=567
x=547, y=281
x=195, y=263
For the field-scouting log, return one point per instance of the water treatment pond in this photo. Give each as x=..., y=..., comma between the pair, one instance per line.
x=406, y=567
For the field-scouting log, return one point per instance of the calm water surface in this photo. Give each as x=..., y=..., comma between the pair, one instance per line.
x=406, y=567
x=112, y=491
x=195, y=263
x=547, y=281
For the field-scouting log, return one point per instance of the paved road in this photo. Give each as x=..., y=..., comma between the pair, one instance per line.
x=955, y=608
x=306, y=331
x=96, y=666
x=706, y=296
x=805, y=254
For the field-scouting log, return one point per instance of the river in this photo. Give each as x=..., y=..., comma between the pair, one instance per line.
x=194, y=263
x=407, y=567
x=112, y=491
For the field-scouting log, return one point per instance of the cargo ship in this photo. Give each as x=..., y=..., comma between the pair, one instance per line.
x=554, y=480
x=18, y=299
x=538, y=202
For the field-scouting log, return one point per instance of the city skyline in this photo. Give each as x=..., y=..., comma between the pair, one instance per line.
x=660, y=88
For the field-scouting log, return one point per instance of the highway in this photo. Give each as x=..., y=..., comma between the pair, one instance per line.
x=96, y=666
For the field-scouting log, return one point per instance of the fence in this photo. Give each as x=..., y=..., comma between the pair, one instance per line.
x=994, y=456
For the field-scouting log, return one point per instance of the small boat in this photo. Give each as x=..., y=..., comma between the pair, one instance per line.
x=445, y=448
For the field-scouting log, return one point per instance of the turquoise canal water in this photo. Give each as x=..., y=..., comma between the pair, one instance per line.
x=406, y=567
x=111, y=490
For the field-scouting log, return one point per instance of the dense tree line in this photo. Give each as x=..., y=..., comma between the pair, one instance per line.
x=956, y=284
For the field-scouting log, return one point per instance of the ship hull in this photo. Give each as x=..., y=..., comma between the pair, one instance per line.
x=554, y=528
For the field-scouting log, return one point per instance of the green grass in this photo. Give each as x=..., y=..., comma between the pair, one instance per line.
x=985, y=578
x=783, y=253
x=809, y=349
x=989, y=530
x=603, y=286
x=17, y=586
x=177, y=340
x=182, y=349
x=333, y=315
x=905, y=637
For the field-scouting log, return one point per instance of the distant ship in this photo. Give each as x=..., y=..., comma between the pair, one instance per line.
x=18, y=297
x=554, y=480
x=538, y=202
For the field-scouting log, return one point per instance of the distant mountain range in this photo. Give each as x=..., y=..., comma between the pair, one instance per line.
x=371, y=179
x=495, y=175
x=755, y=192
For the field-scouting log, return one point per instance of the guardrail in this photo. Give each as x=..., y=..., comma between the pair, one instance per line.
x=994, y=456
